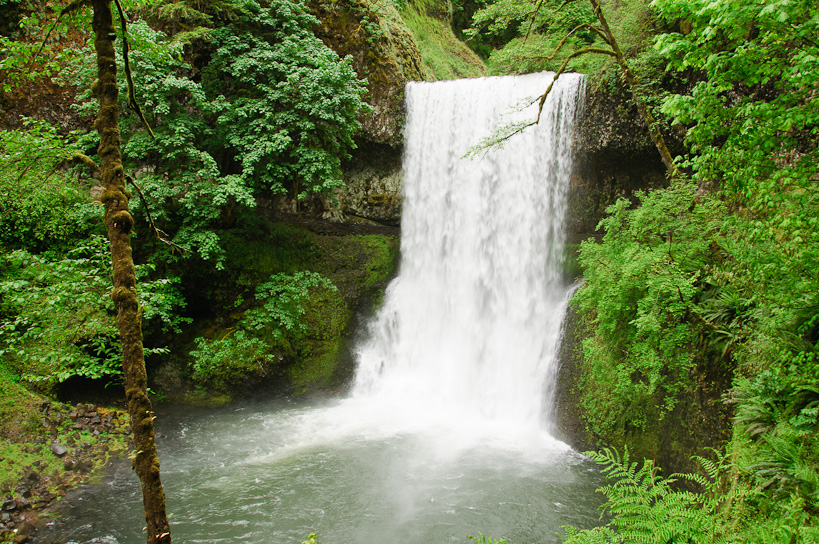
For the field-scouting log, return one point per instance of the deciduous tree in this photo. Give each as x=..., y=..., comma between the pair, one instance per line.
x=118, y=222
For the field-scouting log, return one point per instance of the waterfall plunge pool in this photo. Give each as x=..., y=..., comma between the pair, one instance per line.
x=445, y=431
x=273, y=472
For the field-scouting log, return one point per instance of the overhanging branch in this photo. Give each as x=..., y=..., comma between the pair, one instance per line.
x=159, y=233
x=131, y=94
x=579, y=52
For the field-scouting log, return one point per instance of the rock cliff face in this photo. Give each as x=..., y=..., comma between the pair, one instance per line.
x=391, y=43
x=614, y=157
x=383, y=52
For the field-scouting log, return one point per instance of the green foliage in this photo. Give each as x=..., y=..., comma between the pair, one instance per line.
x=185, y=20
x=286, y=105
x=56, y=318
x=282, y=302
x=754, y=133
x=754, y=116
x=647, y=273
x=778, y=420
x=275, y=322
x=483, y=539
x=518, y=37
x=645, y=507
x=57, y=321
x=229, y=358
x=272, y=111
x=747, y=293
x=648, y=508
x=28, y=62
x=40, y=206
x=521, y=38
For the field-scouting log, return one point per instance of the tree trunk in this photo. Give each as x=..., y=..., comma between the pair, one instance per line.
x=119, y=222
x=631, y=80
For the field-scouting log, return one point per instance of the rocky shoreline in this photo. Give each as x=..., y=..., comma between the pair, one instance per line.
x=70, y=445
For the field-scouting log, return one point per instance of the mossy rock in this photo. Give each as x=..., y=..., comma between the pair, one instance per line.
x=443, y=55
x=391, y=46
x=300, y=361
x=19, y=413
x=588, y=417
x=316, y=365
x=383, y=52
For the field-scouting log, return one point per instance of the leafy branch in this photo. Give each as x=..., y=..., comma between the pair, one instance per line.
x=611, y=49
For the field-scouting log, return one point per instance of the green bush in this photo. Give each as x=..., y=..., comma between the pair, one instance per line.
x=56, y=318
x=263, y=333
x=647, y=273
x=41, y=207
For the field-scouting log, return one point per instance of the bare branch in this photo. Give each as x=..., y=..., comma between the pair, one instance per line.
x=516, y=128
x=73, y=6
x=579, y=52
x=532, y=19
x=131, y=95
x=631, y=80
x=157, y=231
x=496, y=140
x=586, y=50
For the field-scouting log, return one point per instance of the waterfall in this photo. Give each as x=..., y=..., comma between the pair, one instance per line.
x=468, y=331
x=446, y=430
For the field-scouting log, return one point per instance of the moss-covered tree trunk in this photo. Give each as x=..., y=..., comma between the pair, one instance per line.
x=119, y=222
x=631, y=80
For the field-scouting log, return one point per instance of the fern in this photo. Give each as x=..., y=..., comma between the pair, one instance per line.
x=646, y=508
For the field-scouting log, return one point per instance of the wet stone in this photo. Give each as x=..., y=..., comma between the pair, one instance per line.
x=59, y=450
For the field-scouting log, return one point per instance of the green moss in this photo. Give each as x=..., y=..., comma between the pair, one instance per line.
x=382, y=252
x=316, y=365
x=18, y=406
x=27, y=432
x=571, y=266
x=326, y=315
x=207, y=398
x=358, y=265
x=442, y=54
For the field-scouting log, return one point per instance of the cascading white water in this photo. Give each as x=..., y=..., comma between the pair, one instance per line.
x=469, y=329
x=444, y=434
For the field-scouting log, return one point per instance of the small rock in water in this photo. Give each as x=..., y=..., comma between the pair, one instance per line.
x=103, y=540
x=59, y=450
